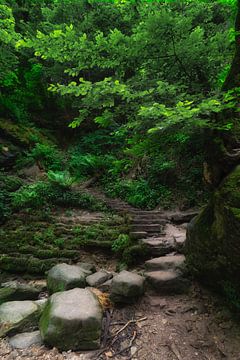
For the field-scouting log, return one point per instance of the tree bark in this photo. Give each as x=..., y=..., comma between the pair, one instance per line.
x=233, y=77
x=223, y=148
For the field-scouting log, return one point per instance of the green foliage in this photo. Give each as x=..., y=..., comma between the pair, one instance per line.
x=63, y=178
x=138, y=99
x=139, y=193
x=29, y=196
x=43, y=193
x=121, y=243
x=87, y=164
x=48, y=155
x=8, y=184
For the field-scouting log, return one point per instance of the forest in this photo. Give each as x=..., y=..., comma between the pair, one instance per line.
x=119, y=179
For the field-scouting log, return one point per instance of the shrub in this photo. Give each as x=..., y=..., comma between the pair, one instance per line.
x=121, y=243
x=139, y=193
x=60, y=178
x=29, y=196
x=8, y=184
x=45, y=193
x=49, y=156
x=89, y=164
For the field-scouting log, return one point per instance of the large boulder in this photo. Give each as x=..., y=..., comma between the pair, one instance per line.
x=18, y=316
x=65, y=277
x=126, y=287
x=213, y=241
x=72, y=320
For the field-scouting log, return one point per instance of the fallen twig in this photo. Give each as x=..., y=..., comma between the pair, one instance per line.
x=127, y=324
x=175, y=350
x=106, y=328
x=127, y=347
x=114, y=336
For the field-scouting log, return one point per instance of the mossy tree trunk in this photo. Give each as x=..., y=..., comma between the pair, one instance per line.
x=213, y=243
x=233, y=78
x=223, y=147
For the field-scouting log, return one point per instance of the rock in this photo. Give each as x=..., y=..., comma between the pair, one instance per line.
x=183, y=217
x=179, y=242
x=98, y=278
x=133, y=350
x=173, y=262
x=167, y=282
x=14, y=290
x=7, y=158
x=157, y=301
x=18, y=316
x=41, y=303
x=25, y=340
x=213, y=243
x=106, y=286
x=126, y=287
x=136, y=235
x=87, y=266
x=159, y=245
x=72, y=320
x=32, y=172
x=64, y=277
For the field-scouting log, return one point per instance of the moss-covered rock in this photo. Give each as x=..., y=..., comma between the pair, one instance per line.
x=72, y=320
x=65, y=277
x=213, y=241
x=14, y=290
x=18, y=316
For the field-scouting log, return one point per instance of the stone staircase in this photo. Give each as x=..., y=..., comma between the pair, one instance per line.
x=164, y=234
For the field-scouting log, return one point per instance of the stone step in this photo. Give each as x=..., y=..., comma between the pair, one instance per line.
x=159, y=246
x=148, y=213
x=179, y=242
x=167, y=282
x=184, y=217
x=148, y=221
x=165, y=263
x=149, y=228
x=137, y=235
x=120, y=209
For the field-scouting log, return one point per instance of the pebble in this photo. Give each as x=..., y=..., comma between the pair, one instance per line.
x=133, y=350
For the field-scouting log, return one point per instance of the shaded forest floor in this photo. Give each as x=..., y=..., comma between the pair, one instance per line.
x=180, y=327
x=183, y=327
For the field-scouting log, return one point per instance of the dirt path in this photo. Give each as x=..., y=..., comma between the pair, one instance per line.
x=179, y=327
x=183, y=327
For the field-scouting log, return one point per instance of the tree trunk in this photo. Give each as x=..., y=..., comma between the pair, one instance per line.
x=233, y=78
x=223, y=148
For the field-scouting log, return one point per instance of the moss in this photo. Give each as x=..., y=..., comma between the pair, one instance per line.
x=44, y=320
x=10, y=183
x=213, y=242
x=24, y=264
x=5, y=294
x=135, y=254
x=30, y=244
x=23, y=134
